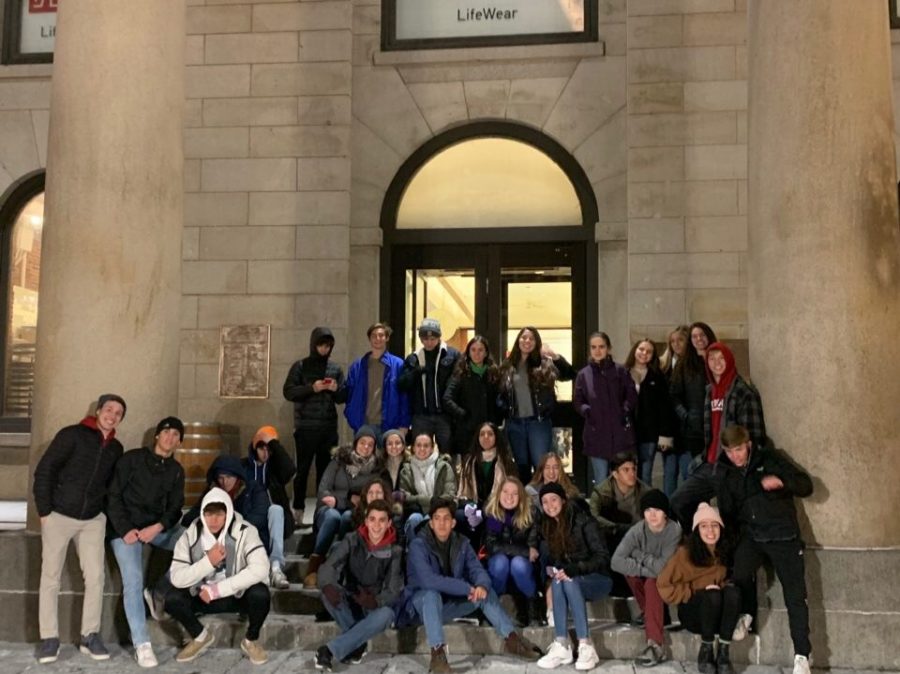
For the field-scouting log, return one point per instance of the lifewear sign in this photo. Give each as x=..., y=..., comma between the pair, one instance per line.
x=443, y=19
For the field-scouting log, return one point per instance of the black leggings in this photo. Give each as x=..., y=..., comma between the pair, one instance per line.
x=312, y=445
x=712, y=612
x=184, y=607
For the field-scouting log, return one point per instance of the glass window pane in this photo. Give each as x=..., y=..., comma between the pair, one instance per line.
x=542, y=298
x=24, y=275
x=448, y=296
x=489, y=182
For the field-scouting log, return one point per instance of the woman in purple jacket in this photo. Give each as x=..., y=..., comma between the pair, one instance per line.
x=606, y=397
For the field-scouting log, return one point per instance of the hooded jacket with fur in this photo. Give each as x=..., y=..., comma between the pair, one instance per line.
x=246, y=562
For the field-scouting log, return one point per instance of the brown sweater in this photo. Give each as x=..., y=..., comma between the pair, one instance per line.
x=680, y=578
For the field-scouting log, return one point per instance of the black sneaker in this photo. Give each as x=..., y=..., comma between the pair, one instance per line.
x=356, y=657
x=92, y=646
x=48, y=651
x=323, y=658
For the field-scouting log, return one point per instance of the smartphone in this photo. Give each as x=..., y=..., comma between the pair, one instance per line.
x=328, y=381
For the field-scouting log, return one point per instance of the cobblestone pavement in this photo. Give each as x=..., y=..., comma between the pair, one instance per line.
x=15, y=658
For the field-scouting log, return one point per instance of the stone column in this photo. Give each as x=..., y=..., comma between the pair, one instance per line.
x=825, y=257
x=111, y=267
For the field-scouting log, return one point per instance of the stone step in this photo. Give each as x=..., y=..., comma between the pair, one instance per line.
x=282, y=632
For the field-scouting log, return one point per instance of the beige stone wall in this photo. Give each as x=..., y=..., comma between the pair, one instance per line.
x=573, y=93
x=687, y=165
x=267, y=191
x=24, y=116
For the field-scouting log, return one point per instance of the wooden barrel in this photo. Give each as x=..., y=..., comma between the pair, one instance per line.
x=201, y=445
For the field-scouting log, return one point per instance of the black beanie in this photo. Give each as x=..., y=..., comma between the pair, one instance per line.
x=554, y=488
x=655, y=499
x=171, y=422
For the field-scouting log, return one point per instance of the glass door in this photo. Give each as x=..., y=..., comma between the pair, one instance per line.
x=495, y=290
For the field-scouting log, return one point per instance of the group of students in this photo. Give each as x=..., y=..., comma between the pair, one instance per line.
x=227, y=549
x=691, y=406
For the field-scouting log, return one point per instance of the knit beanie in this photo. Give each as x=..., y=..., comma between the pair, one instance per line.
x=264, y=430
x=706, y=513
x=654, y=498
x=171, y=422
x=430, y=326
x=554, y=488
x=400, y=434
x=364, y=432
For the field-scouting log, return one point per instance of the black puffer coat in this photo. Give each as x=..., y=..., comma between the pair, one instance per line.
x=764, y=515
x=314, y=411
x=413, y=377
x=587, y=551
x=655, y=415
x=471, y=400
x=146, y=488
x=73, y=473
x=688, y=392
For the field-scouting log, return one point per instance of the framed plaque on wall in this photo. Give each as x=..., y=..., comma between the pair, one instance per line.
x=244, y=361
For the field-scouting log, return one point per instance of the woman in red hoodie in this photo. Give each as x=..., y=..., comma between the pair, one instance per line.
x=730, y=401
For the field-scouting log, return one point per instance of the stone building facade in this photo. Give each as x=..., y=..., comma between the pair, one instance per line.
x=295, y=124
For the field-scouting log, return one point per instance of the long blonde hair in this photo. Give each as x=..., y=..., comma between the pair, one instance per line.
x=522, y=518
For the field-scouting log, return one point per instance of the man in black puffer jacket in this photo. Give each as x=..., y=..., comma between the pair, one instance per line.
x=312, y=385
x=69, y=489
x=425, y=376
x=757, y=491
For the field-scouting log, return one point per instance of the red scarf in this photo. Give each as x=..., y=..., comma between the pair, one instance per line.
x=91, y=422
x=717, y=395
x=390, y=537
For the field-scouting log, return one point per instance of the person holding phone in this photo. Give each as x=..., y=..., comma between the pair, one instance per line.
x=312, y=384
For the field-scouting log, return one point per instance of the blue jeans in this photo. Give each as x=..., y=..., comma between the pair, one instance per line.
x=573, y=595
x=599, y=469
x=131, y=567
x=357, y=625
x=529, y=440
x=276, y=534
x=409, y=529
x=330, y=523
x=674, y=465
x=501, y=567
x=436, y=610
x=646, y=453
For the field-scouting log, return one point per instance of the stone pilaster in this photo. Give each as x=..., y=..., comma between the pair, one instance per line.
x=111, y=268
x=825, y=256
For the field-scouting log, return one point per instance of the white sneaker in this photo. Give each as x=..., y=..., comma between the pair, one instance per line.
x=801, y=664
x=144, y=655
x=557, y=655
x=742, y=628
x=587, y=657
x=277, y=579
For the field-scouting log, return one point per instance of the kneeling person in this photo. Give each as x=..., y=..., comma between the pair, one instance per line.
x=360, y=581
x=449, y=582
x=219, y=566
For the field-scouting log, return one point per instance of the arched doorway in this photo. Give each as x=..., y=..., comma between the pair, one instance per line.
x=489, y=227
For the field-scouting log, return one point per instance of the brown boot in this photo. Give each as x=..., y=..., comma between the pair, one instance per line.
x=439, y=664
x=312, y=575
x=516, y=644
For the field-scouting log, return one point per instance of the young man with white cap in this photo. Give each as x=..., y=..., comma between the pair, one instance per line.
x=219, y=566
x=146, y=495
x=69, y=489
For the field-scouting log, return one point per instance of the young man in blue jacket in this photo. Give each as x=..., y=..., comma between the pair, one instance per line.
x=371, y=389
x=447, y=581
